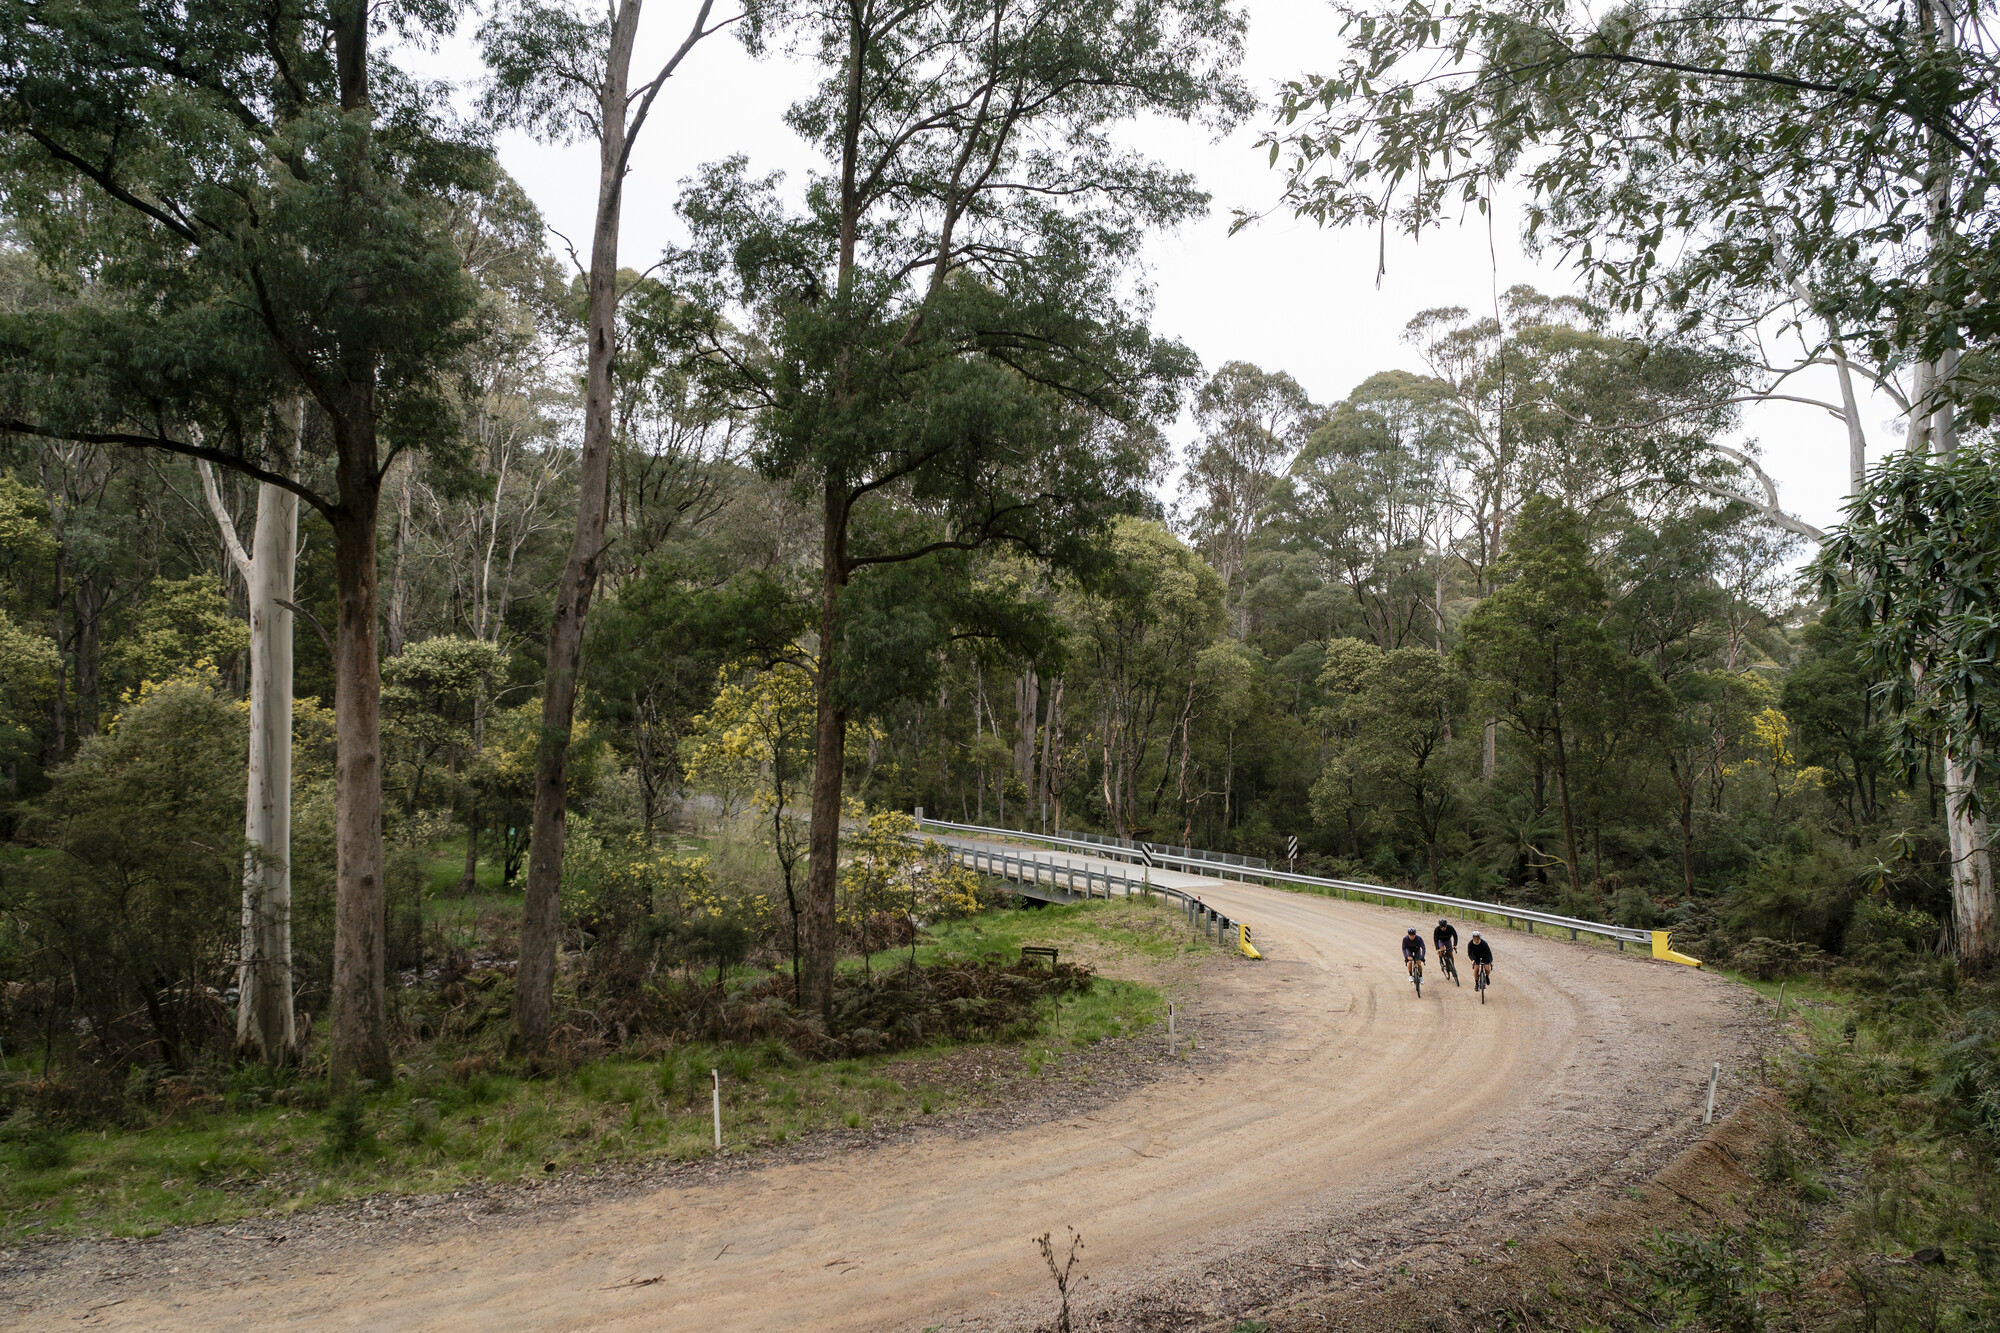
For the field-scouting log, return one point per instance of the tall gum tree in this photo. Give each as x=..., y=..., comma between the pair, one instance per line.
x=564, y=75
x=943, y=349
x=266, y=1026
x=259, y=198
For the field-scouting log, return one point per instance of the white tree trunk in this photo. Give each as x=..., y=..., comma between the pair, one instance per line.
x=1971, y=867
x=266, y=1029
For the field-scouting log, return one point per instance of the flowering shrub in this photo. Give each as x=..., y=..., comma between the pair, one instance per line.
x=889, y=882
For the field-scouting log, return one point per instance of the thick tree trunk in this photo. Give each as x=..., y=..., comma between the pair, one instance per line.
x=1971, y=868
x=534, y=984
x=1572, y=861
x=266, y=1030
x=1684, y=793
x=819, y=930
x=1051, y=715
x=88, y=601
x=1027, y=712
x=360, y=1018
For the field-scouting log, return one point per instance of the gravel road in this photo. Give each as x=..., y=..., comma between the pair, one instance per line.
x=1349, y=1119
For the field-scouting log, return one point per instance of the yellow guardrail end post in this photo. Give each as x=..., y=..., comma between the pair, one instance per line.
x=1663, y=949
x=1249, y=949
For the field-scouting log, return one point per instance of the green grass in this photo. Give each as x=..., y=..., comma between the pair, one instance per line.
x=241, y=1156
x=1149, y=928
x=433, y=1132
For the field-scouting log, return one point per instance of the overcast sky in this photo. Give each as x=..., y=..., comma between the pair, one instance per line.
x=1283, y=294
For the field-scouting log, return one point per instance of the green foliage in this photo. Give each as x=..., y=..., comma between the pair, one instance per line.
x=433, y=695
x=26, y=687
x=183, y=626
x=949, y=361
x=246, y=237
x=1782, y=141
x=1542, y=659
x=126, y=912
x=1391, y=724
x=1139, y=636
x=350, y=1129
x=1913, y=576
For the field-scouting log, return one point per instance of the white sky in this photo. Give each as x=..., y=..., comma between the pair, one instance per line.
x=1283, y=294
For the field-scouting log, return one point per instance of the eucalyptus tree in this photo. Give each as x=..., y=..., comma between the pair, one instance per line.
x=1541, y=657
x=1137, y=641
x=1372, y=497
x=565, y=72
x=1252, y=422
x=260, y=202
x=1914, y=573
x=266, y=1027
x=943, y=347
x=1392, y=714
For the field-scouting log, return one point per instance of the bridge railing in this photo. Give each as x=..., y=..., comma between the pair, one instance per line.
x=1346, y=888
x=1061, y=878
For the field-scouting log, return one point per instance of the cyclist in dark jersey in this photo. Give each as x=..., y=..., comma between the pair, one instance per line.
x=1480, y=954
x=1445, y=937
x=1413, y=949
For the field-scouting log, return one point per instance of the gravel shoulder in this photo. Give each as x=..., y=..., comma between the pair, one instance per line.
x=1327, y=1118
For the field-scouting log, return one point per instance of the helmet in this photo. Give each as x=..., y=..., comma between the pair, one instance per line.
x=1443, y=922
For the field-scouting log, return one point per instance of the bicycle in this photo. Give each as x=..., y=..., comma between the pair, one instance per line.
x=1481, y=979
x=1417, y=975
x=1450, y=967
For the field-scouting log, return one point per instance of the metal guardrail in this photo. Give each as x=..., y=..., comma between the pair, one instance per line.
x=1061, y=879
x=1531, y=916
x=1158, y=850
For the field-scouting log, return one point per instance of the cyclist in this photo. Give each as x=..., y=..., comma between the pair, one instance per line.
x=1445, y=937
x=1480, y=954
x=1413, y=950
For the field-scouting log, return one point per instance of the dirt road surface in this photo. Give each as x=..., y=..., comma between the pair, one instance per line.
x=1347, y=1106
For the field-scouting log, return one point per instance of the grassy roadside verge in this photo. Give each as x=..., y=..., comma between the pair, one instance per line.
x=258, y=1150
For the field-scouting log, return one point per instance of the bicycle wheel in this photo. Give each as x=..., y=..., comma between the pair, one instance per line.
x=1479, y=984
x=1417, y=976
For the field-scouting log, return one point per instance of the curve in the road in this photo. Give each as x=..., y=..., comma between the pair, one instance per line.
x=1351, y=1094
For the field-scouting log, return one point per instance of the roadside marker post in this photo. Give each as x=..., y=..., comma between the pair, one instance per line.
x=1249, y=950
x=1714, y=1073
x=716, y=1074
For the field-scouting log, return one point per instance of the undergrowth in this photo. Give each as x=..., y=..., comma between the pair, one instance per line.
x=1879, y=1204
x=165, y=1148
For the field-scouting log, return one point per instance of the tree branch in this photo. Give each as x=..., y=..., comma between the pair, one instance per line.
x=167, y=444
x=230, y=541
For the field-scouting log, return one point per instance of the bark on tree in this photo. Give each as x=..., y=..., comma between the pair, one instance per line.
x=398, y=586
x=534, y=992
x=1027, y=712
x=360, y=1016
x=618, y=126
x=266, y=1027
x=820, y=939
